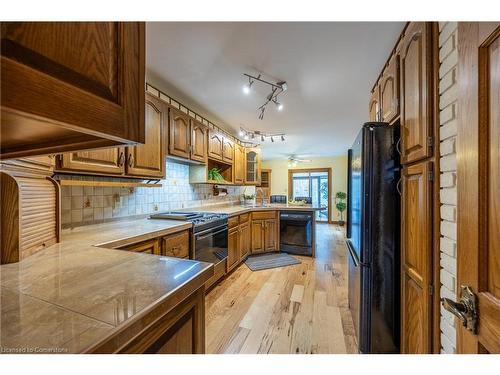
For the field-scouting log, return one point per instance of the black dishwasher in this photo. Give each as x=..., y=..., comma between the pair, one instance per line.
x=296, y=232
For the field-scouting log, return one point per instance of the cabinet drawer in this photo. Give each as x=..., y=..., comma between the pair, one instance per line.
x=259, y=215
x=176, y=245
x=244, y=218
x=233, y=221
x=150, y=247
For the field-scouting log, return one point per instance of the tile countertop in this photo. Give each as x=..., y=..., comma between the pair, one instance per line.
x=71, y=295
x=233, y=210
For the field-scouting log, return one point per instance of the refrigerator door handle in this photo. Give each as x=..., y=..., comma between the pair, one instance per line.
x=353, y=254
x=398, y=144
x=398, y=188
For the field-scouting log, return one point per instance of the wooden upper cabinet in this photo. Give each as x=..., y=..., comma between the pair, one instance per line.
x=227, y=150
x=199, y=141
x=389, y=91
x=180, y=134
x=70, y=86
x=103, y=161
x=252, y=165
x=416, y=258
x=239, y=164
x=416, y=115
x=374, y=105
x=148, y=160
x=215, y=145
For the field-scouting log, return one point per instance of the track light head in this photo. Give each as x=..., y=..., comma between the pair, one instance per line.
x=247, y=88
x=282, y=138
x=241, y=133
x=262, y=138
x=246, y=136
x=279, y=106
x=272, y=139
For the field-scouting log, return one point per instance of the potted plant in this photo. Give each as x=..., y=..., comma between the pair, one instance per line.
x=341, y=205
x=214, y=175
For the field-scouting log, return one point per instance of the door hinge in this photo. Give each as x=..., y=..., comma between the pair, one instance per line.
x=430, y=141
x=431, y=290
x=430, y=175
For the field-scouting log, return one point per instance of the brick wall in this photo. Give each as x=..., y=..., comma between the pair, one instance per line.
x=448, y=59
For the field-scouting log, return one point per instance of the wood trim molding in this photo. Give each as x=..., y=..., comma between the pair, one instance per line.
x=309, y=170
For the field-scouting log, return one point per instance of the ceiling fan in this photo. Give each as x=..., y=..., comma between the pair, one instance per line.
x=293, y=160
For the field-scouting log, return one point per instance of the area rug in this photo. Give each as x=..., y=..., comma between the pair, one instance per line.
x=266, y=261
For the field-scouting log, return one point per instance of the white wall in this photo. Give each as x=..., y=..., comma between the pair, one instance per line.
x=448, y=58
x=279, y=176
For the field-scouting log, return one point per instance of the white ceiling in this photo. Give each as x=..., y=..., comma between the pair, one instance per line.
x=330, y=68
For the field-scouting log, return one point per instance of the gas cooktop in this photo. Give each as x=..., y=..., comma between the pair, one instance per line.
x=200, y=220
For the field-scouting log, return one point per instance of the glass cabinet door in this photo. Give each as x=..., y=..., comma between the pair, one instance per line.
x=252, y=166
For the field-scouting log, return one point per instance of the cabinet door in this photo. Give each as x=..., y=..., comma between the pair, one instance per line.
x=179, y=141
x=374, y=105
x=389, y=91
x=416, y=259
x=104, y=161
x=215, y=145
x=149, y=247
x=148, y=160
x=244, y=241
x=227, y=150
x=239, y=164
x=415, y=113
x=71, y=86
x=271, y=235
x=176, y=245
x=257, y=232
x=252, y=166
x=232, y=248
x=199, y=142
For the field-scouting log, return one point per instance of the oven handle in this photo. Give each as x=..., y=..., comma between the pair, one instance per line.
x=210, y=234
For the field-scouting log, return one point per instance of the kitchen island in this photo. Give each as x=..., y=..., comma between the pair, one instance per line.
x=74, y=297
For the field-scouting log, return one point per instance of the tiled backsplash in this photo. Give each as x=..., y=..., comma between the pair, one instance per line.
x=82, y=205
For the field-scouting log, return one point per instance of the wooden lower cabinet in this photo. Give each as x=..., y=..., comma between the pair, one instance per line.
x=264, y=231
x=178, y=331
x=416, y=256
x=150, y=247
x=233, y=239
x=245, y=240
x=176, y=245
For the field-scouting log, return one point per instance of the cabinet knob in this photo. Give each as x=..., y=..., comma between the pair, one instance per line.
x=121, y=159
x=130, y=160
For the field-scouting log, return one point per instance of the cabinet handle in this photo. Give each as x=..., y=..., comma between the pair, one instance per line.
x=130, y=160
x=121, y=159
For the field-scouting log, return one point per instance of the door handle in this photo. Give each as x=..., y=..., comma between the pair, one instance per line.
x=398, y=188
x=466, y=309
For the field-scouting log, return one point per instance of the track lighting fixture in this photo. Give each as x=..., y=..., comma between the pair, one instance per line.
x=256, y=134
x=276, y=89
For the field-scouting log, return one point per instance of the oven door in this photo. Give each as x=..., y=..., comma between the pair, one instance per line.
x=210, y=245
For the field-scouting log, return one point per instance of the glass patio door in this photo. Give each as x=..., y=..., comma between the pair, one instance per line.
x=312, y=185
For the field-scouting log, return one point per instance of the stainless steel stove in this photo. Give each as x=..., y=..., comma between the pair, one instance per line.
x=200, y=220
x=208, y=236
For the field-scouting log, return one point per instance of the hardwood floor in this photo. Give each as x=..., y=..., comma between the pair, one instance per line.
x=294, y=309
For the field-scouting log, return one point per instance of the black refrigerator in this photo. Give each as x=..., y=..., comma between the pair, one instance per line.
x=373, y=243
